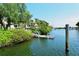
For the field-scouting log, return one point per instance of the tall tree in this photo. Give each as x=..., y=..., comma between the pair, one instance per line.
x=44, y=27
x=16, y=13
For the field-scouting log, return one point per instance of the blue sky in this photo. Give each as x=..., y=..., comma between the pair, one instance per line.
x=56, y=14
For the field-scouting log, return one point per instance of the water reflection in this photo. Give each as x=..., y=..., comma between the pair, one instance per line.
x=46, y=46
x=77, y=33
x=66, y=53
x=21, y=49
x=43, y=42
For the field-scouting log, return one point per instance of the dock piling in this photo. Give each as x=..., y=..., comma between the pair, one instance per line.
x=67, y=38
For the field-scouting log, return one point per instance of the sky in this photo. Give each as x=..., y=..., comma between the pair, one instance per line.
x=56, y=14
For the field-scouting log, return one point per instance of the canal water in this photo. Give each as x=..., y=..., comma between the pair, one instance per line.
x=46, y=47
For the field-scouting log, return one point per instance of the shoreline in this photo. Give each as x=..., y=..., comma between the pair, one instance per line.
x=21, y=41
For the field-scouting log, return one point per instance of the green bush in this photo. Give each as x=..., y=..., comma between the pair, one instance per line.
x=44, y=30
x=21, y=35
x=8, y=37
x=5, y=37
x=44, y=27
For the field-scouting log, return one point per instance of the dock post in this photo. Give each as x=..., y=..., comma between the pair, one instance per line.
x=67, y=38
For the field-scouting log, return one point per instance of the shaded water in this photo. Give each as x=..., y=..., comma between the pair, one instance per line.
x=47, y=47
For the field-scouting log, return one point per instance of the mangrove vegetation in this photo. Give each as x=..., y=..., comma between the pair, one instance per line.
x=17, y=25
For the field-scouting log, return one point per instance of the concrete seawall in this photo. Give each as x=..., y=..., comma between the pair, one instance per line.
x=43, y=36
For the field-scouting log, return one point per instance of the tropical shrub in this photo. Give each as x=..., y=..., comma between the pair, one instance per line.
x=44, y=30
x=21, y=35
x=5, y=37
x=44, y=27
x=9, y=37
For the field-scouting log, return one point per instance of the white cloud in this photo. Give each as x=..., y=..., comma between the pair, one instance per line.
x=70, y=20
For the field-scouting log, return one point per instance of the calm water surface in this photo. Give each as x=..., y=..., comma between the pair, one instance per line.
x=46, y=47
